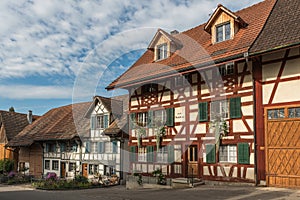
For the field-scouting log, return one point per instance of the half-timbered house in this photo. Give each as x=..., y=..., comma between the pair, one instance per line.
x=191, y=102
x=276, y=72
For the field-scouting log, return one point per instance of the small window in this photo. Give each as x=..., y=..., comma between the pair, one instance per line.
x=72, y=167
x=96, y=169
x=182, y=80
x=193, y=154
x=162, y=51
x=101, y=121
x=276, y=113
x=219, y=109
x=227, y=69
x=223, y=32
x=228, y=153
x=94, y=147
x=47, y=164
x=160, y=118
x=148, y=88
x=177, y=153
x=294, y=112
x=162, y=155
x=142, y=154
x=108, y=147
x=63, y=147
x=142, y=119
x=50, y=147
x=54, y=165
x=91, y=171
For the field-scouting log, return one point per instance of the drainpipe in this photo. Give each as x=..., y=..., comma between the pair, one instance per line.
x=246, y=56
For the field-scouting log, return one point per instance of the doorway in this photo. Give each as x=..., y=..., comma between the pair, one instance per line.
x=63, y=170
x=192, y=161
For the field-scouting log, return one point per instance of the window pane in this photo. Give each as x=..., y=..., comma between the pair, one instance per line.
x=219, y=33
x=276, y=113
x=227, y=31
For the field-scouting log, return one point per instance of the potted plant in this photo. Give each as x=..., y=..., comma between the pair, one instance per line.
x=140, y=133
x=159, y=134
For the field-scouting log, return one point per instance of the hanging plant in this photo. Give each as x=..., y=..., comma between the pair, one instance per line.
x=220, y=129
x=159, y=134
x=140, y=133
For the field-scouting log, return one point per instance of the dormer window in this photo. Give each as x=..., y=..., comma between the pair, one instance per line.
x=223, y=32
x=162, y=51
x=227, y=69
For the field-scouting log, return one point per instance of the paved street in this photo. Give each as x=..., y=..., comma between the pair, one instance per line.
x=120, y=193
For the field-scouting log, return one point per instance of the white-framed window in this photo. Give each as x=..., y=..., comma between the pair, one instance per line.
x=162, y=155
x=162, y=51
x=160, y=117
x=228, y=153
x=47, y=164
x=142, y=119
x=223, y=32
x=94, y=147
x=226, y=69
x=55, y=164
x=72, y=167
x=219, y=109
x=142, y=154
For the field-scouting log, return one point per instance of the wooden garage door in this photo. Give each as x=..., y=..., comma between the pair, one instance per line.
x=283, y=149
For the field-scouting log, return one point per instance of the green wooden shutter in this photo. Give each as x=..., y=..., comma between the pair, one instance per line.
x=150, y=119
x=132, y=120
x=87, y=147
x=210, y=153
x=150, y=154
x=170, y=116
x=202, y=111
x=132, y=153
x=235, y=107
x=243, y=153
x=93, y=122
x=115, y=146
x=105, y=119
x=171, y=156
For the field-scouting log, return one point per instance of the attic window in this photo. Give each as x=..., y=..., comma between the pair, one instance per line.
x=162, y=51
x=223, y=32
x=227, y=69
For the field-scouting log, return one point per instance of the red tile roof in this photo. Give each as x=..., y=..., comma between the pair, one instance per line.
x=282, y=28
x=198, y=51
x=61, y=123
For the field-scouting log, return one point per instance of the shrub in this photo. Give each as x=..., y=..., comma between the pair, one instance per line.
x=6, y=165
x=81, y=179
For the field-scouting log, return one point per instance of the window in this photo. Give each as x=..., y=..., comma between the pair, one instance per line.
x=162, y=51
x=142, y=119
x=182, y=80
x=108, y=147
x=63, y=147
x=228, y=153
x=149, y=88
x=72, y=167
x=177, y=153
x=142, y=154
x=21, y=166
x=162, y=155
x=219, y=109
x=223, y=32
x=294, y=112
x=94, y=147
x=227, y=69
x=159, y=118
x=101, y=121
x=74, y=147
x=50, y=147
x=91, y=169
x=96, y=169
x=276, y=113
x=54, y=165
x=47, y=164
x=193, y=153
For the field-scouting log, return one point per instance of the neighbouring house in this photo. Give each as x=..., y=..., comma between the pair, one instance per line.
x=276, y=72
x=69, y=141
x=192, y=99
x=12, y=123
x=106, y=146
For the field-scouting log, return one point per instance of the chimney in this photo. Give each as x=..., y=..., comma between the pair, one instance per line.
x=29, y=116
x=174, y=32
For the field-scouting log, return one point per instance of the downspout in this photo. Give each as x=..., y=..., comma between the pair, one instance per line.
x=246, y=55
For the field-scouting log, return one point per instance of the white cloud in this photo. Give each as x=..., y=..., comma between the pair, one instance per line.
x=35, y=92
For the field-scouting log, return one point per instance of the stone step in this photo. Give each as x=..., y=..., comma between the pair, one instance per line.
x=186, y=182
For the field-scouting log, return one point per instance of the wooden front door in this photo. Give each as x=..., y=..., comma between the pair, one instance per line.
x=192, y=158
x=62, y=169
x=283, y=151
x=85, y=170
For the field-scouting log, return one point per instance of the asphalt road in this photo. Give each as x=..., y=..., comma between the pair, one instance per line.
x=120, y=193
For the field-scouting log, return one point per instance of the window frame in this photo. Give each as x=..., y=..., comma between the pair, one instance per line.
x=142, y=154
x=162, y=154
x=227, y=69
x=221, y=29
x=47, y=164
x=55, y=165
x=72, y=166
x=161, y=51
x=225, y=114
x=142, y=119
x=230, y=152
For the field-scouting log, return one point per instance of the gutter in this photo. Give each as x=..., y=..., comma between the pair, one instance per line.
x=274, y=49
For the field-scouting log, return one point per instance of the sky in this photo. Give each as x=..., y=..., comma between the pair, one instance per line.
x=58, y=52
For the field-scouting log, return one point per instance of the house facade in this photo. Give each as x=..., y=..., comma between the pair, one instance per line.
x=276, y=64
x=191, y=107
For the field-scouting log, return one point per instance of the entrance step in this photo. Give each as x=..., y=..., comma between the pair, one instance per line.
x=186, y=182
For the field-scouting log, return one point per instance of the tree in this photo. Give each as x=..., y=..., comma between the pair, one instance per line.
x=11, y=109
